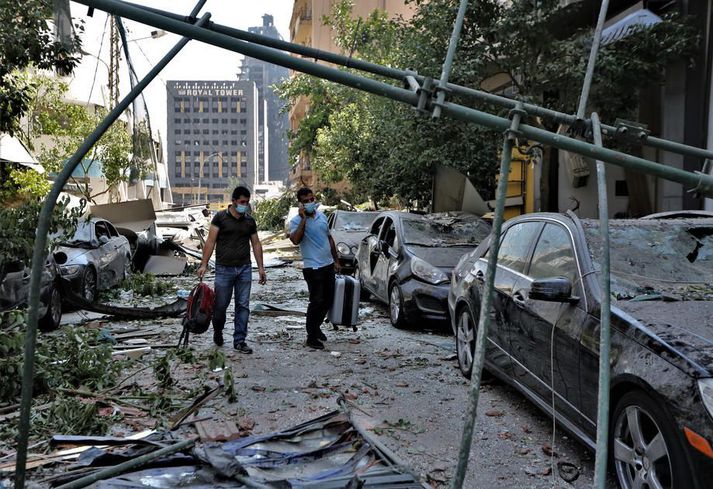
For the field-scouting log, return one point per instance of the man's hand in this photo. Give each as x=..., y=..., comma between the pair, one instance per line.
x=263, y=276
x=337, y=266
x=201, y=271
x=302, y=212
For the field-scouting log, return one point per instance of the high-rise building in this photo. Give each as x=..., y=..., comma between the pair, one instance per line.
x=273, y=123
x=212, y=139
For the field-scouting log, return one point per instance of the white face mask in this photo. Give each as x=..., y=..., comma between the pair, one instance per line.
x=241, y=208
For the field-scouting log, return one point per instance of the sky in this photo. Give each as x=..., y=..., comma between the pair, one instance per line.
x=196, y=61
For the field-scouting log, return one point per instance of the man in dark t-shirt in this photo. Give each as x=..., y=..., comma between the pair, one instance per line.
x=232, y=232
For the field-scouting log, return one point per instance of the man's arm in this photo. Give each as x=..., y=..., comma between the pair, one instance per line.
x=333, y=248
x=257, y=251
x=208, y=249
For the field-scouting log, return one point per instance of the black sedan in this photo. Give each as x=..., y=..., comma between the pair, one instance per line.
x=348, y=228
x=544, y=339
x=406, y=260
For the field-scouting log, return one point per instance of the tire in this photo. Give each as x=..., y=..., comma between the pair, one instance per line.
x=653, y=450
x=465, y=341
x=52, y=318
x=396, y=307
x=89, y=285
x=364, y=294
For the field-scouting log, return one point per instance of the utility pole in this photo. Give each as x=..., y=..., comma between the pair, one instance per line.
x=114, y=58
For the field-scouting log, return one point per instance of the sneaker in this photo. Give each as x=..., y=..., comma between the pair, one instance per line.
x=321, y=336
x=316, y=344
x=242, y=348
x=218, y=337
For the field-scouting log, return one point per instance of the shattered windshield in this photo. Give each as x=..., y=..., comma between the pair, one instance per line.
x=657, y=259
x=445, y=231
x=82, y=235
x=354, y=221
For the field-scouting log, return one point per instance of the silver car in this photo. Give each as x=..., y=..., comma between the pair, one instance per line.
x=98, y=258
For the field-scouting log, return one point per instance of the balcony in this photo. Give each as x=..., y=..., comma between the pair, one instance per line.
x=301, y=25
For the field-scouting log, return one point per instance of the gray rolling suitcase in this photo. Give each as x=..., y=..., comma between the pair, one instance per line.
x=345, y=307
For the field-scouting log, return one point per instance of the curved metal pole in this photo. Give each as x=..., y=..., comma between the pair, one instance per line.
x=486, y=303
x=600, y=464
x=589, y=74
x=448, y=64
x=38, y=254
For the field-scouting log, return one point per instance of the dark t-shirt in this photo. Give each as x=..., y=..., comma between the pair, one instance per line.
x=232, y=248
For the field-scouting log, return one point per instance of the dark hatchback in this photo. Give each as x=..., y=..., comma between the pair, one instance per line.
x=348, y=228
x=406, y=259
x=545, y=336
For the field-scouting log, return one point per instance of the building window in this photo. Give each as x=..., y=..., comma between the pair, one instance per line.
x=186, y=131
x=177, y=109
x=243, y=132
x=215, y=121
x=178, y=171
x=233, y=132
x=224, y=131
x=233, y=142
x=177, y=131
x=196, y=131
x=196, y=120
x=233, y=109
x=225, y=121
x=206, y=131
x=187, y=120
x=205, y=120
x=233, y=121
x=178, y=141
x=214, y=131
x=215, y=142
x=225, y=142
x=177, y=120
x=243, y=121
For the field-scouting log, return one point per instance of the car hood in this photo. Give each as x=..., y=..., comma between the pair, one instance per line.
x=685, y=326
x=440, y=257
x=75, y=255
x=351, y=238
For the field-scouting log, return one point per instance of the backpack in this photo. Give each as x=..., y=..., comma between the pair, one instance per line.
x=199, y=312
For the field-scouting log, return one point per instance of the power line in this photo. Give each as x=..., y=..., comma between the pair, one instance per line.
x=96, y=67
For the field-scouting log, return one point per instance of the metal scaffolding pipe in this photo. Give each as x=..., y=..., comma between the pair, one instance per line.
x=592, y=63
x=600, y=463
x=486, y=302
x=448, y=63
x=398, y=74
x=38, y=255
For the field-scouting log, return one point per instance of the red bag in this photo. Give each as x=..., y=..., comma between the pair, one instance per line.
x=200, y=309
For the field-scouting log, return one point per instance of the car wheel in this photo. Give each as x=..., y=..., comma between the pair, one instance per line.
x=50, y=321
x=89, y=285
x=465, y=341
x=645, y=449
x=364, y=293
x=396, y=307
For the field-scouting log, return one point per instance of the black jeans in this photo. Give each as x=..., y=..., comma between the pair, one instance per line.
x=320, y=282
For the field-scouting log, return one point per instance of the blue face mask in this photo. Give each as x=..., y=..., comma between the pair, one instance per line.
x=311, y=207
x=241, y=208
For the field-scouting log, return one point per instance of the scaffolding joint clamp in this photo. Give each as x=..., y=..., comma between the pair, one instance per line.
x=425, y=93
x=703, y=189
x=516, y=114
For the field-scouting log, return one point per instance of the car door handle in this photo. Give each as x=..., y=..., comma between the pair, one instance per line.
x=519, y=299
x=480, y=276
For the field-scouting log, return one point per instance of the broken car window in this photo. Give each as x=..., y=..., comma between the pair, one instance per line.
x=464, y=231
x=354, y=221
x=657, y=258
x=515, y=246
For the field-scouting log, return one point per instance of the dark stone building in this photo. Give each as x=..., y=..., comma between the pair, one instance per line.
x=212, y=139
x=273, y=123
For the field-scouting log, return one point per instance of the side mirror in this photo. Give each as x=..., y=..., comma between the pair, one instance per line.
x=552, y=289
x=103, y=239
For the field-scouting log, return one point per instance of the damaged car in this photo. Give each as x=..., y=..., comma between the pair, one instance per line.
x=348, y=228
x=406, y=259
x=544, y=336
x=98, y=258
x=15, y=289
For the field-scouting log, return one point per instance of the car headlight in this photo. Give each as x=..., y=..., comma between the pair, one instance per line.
x=706, y=388
x=69, y=269
x=344, y=249
x=427, y=272
x=354, y=249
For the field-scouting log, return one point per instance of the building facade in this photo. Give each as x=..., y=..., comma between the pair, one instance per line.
x=307, y=28
x=273, y=123
x=212, y=141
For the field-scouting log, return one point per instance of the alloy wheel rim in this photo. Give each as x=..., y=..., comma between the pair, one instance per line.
x=89, y=285
x=395, y=306
x=465, y=338
x=641, y=457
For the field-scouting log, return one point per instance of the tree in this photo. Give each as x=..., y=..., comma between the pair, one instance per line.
x=26, y=40
x=389, y=149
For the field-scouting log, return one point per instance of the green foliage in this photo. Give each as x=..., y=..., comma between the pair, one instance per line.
x=216, y=360
x=229, y=383
x=26, y=39
x=270, y=214
x=387, y=149
x=18, y=226
x=162, y=370
x=147, y=284
x=69, y=359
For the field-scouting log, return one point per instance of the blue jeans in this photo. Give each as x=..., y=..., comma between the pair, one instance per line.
x=232, y=281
